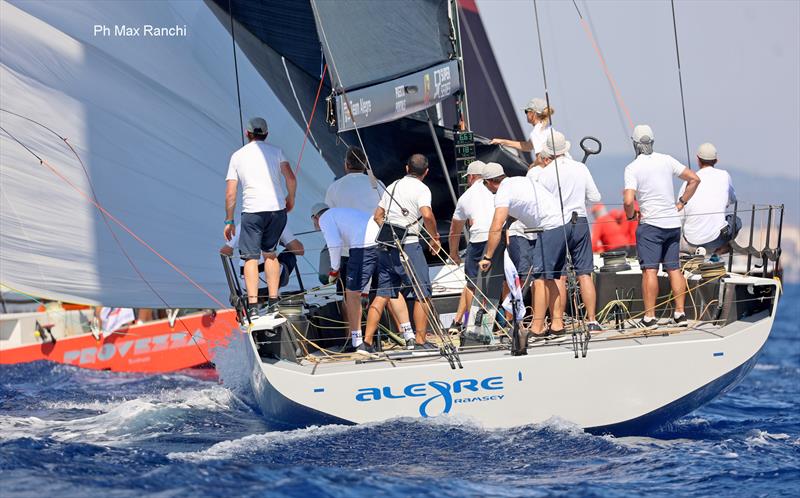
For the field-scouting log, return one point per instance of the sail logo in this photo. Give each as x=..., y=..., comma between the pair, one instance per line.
x=439, y=396
x=442, y=81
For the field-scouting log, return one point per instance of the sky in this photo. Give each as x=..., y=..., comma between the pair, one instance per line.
x=740, y=62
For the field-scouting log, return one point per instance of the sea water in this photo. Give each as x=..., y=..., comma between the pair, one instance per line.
x=71, y=432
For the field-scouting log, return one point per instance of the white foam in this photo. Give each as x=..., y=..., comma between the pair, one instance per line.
x=767, y=366
x=257, y=442
x=758, y=437
x=232, y=362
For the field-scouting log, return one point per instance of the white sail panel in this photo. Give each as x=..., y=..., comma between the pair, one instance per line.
x=154, y=121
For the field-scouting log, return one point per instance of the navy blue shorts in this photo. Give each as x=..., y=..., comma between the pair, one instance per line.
x=471, y=259
x=553, y=252
x=392, y=276
x=579, y=239
x=521, y=252
x=656, y=245
x=261, y=232
x=362, y=266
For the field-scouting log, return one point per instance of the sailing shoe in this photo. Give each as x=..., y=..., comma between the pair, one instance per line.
x=410, y=342
x=365, y=349
x=593, y=327
x=648, y=324
x=253, y=312
x=455, y=328
x=425, y=346
x=681, y=321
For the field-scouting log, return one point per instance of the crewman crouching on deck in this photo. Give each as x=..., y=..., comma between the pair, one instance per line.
x=402, y=205
x=535, y=207
x=356, y=231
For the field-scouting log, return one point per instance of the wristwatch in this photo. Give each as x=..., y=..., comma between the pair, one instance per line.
x=680, y=199
x=486, y=257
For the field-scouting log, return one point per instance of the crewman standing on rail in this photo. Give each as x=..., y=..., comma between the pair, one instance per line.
x=572, y=184
x=535, y=207
x=475, y=209
x=649, y=179
x=402, y=205
x=704, y=221
x=265, y=202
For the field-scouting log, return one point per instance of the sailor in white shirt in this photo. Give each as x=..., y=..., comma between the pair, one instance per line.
x=356, y=231
x=355, y=189
x=538, y=115
x=402, y=205
x=287, y=258
x=570, y=182
x=475, y=208
x=648, y=179
x=705, y=223
x=534, y=207
x=265, y=202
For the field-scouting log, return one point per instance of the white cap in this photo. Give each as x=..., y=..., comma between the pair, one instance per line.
x=536, y=105
x=475, y=168
x=643, y=134
x=318, y=208
x=556, y=144
x=707, y=151
x=257, y=126
x=492, y=170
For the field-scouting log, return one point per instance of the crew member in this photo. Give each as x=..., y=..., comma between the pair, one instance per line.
x=608, y=233
x=535, y=207
x=287, y=259
x=649, y=179
x=356, y=231
x=538, y=114
x=355, y=189
x=265, y=202
x=474, y=208
x=402, y=205
x=577, y=187
x=704, y=221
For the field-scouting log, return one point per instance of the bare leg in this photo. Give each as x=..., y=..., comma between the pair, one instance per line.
x=463, y=303
x=650, y=291
x=399, y=310
x=352, y=301
x=556, y=304
x=678, y=285
x=588, y=296
x=272, y=274
x=251, y=280
x=373, y=317
x=421, y=320
x=539, y=292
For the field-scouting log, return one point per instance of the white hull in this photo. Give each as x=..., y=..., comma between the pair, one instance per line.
x=627, y=385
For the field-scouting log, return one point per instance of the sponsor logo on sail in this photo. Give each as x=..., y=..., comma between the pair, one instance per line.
x=438, y=396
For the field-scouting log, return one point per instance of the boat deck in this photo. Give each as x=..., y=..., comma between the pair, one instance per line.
x=326, y=363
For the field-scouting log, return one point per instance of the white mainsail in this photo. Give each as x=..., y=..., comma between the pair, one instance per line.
x=154, y=119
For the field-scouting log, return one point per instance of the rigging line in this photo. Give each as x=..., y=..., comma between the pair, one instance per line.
x=310, y=120
x=617, y=94
x=488, y=79
x=680, y=82
x=299, y=107
x=97, y=205
x=236, y=71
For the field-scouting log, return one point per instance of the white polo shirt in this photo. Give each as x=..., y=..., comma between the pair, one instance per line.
x=347, y=228
x=409, y=193
x=354, y=190
x=528, y=202
x=650, y=175
x=704, y=214
x=538, y=136
x=577, y=185
x=257, y=166
x=477, y=205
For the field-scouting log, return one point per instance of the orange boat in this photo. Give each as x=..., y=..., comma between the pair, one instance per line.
x=159, y=346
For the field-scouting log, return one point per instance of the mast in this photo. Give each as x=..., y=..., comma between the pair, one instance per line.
x=462, y=103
